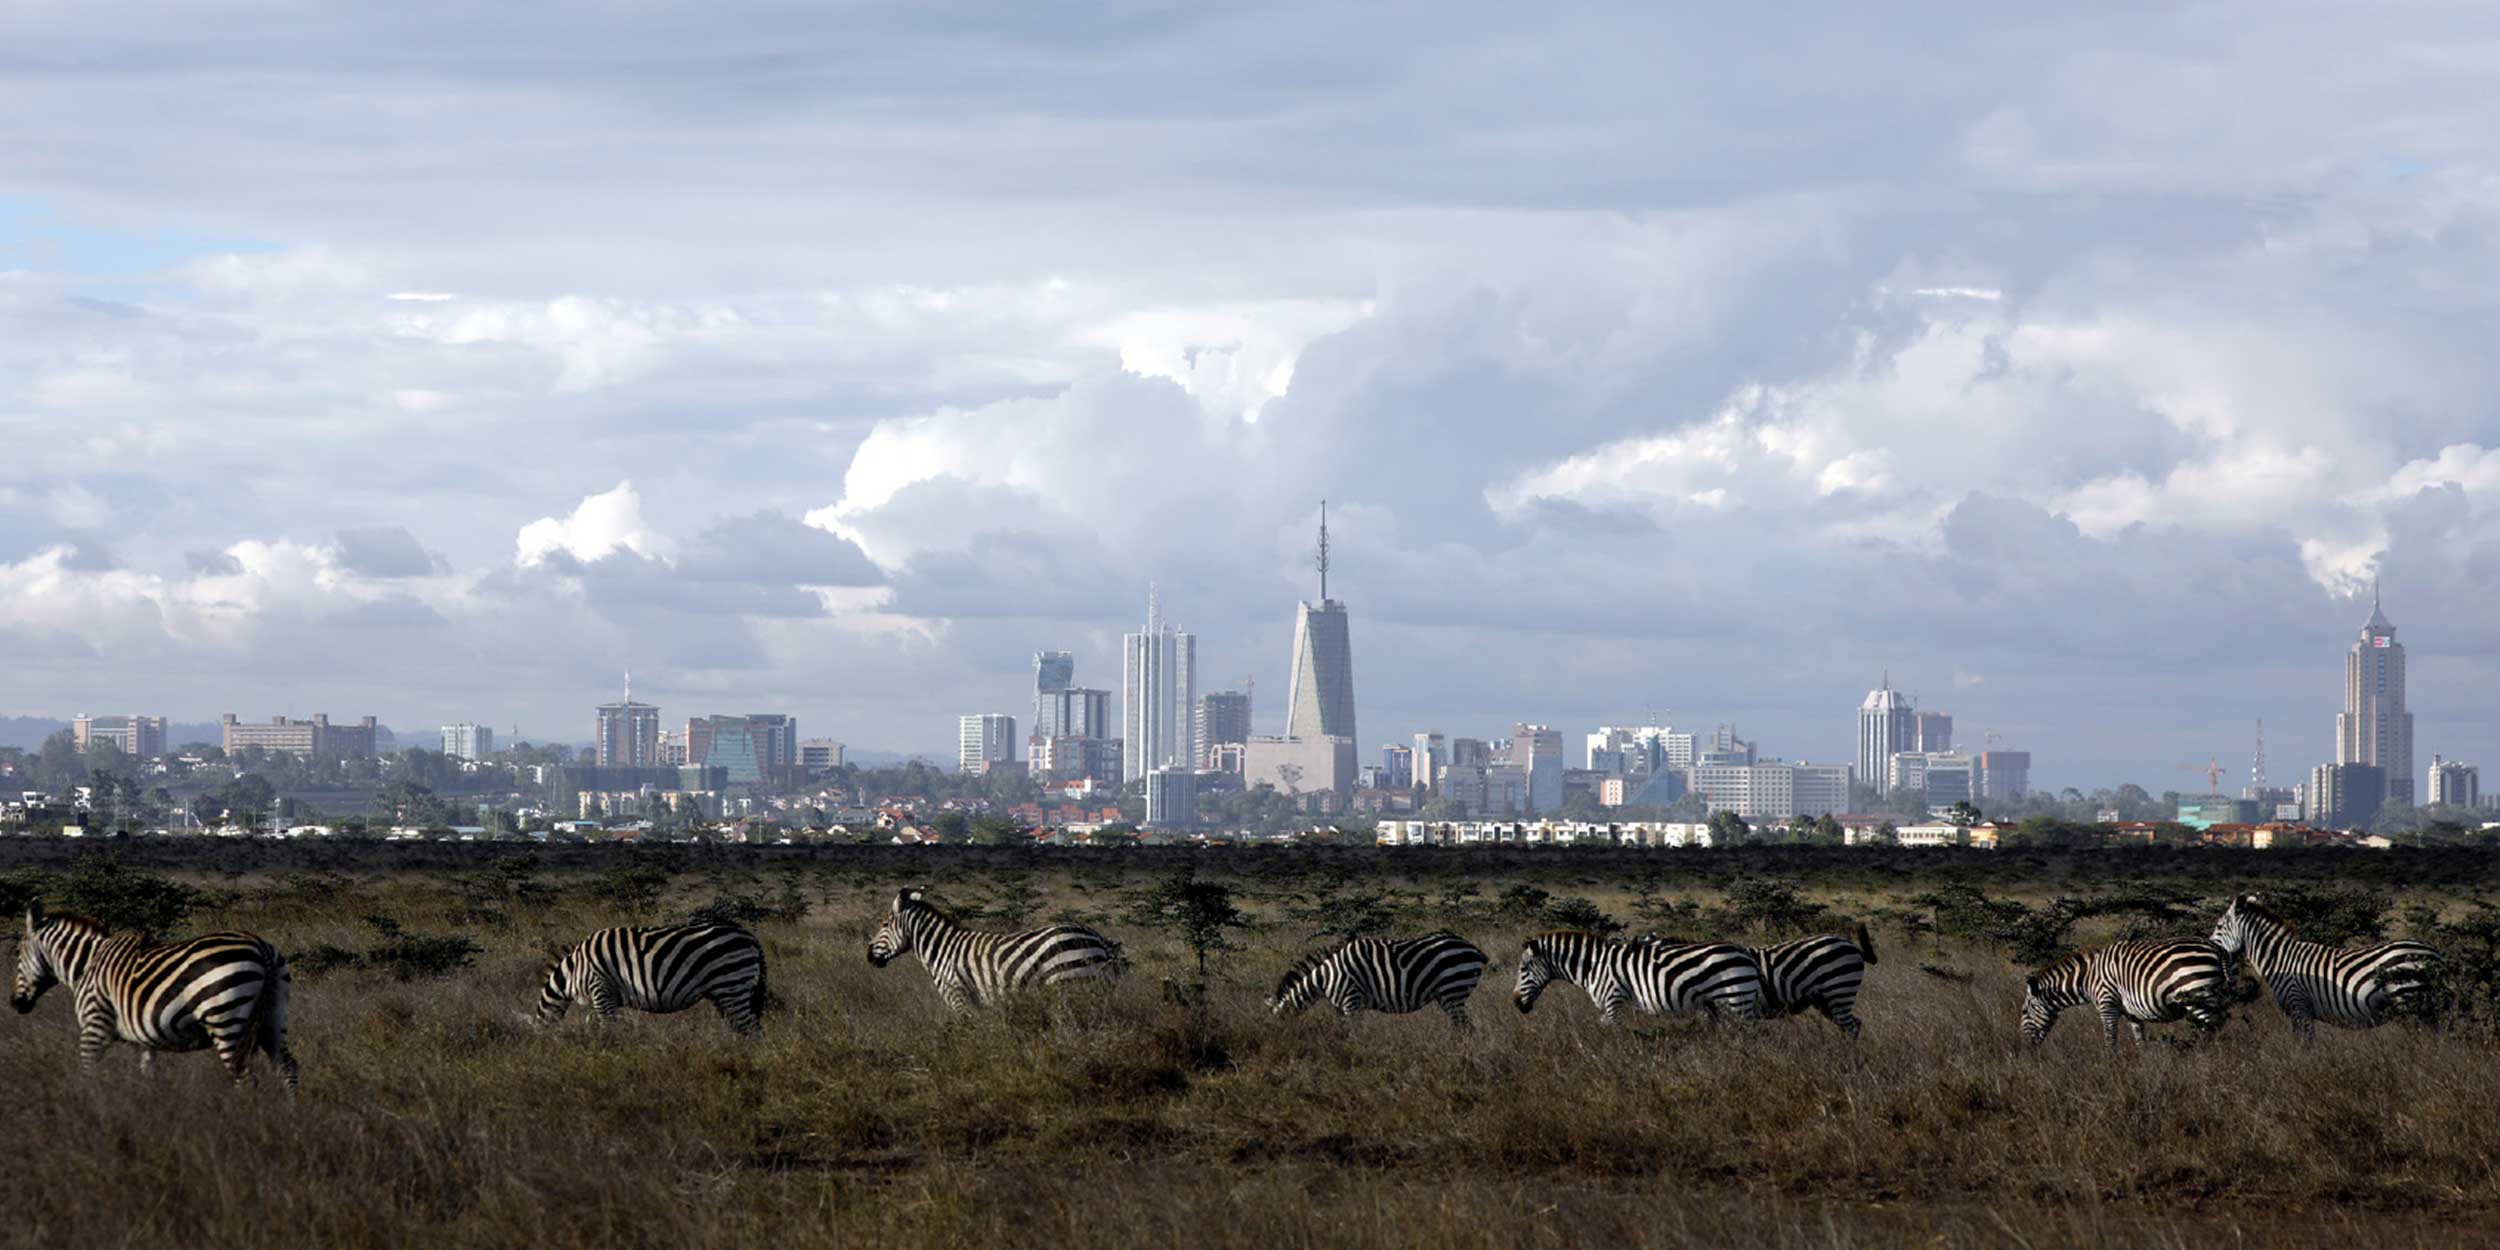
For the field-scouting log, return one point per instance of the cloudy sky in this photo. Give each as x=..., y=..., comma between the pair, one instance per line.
x=444, y=362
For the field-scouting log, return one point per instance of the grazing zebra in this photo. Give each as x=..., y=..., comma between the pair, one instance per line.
x=660, y=970
x=2360, y=988
x=225, y=990
x=1822, y=973
x=2155, y=981
x=971, y=967
x=1396, y=977
x=1655, y=977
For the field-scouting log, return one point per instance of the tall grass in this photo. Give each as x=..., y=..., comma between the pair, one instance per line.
x=433, y=1114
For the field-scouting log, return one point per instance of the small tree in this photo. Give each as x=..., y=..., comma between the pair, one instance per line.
x=1728, y=829
x=1198, y=910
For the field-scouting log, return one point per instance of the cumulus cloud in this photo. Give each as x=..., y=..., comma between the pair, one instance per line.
x=601, y=524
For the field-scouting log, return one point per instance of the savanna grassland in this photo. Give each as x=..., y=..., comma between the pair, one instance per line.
x=1167, y=1112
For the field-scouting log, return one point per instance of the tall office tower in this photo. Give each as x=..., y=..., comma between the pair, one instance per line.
x=2453, y=783
x=2345, y=796
x=2374, y=728
x=1887, y=726
x=1053, y=673
x=629, y=732
x=1321, y=703
x=1537, y=750
x=1223, y=719
x=468, y=742
x=1432, y=754
x=776, y=739
x=1934, y=731
x=1397, y=767
x=2004, y=776
x=1158, y=696
x=985, y=740
x=140, y=736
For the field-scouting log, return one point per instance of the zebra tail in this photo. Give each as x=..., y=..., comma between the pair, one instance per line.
x=269, y=1019
x=1865, y=942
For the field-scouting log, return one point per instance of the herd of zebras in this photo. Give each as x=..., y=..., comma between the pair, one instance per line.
x=228, y=991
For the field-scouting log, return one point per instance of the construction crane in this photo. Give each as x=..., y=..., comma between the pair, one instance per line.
x=2213, y=775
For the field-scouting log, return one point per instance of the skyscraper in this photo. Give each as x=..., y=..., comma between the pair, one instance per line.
x=1321, y=703
x=1934, y=732
x=1158, y=696
x=985, y=740
x=1223, y=717
x=466, y=741
x=2374, y=728
x=629, y=732
x=1053, y=673
x=1537, y=750
x=1887, y=726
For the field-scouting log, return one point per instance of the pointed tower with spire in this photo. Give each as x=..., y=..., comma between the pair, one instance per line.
x=629, y=732
x=2374, y=728
x=1321, y=701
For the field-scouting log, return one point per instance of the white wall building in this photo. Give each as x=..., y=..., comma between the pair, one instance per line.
x=986, y=739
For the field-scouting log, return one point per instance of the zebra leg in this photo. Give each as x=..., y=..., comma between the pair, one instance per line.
x=951, y=992
x=147, y=1062
x=1839, y=1014
x=737, y=1010
x=233, y=1041
x=2110, y=1015
x=2304, y=1017
x=2136, y=1028
x=1457, y=1007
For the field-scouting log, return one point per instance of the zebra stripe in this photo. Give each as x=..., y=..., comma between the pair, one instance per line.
x=1656, y=978
x=660, y=970
x=2150, y=981
x=2360, y=988
x=1817, y=973
x=1437, y=969
x=226, y=991
x=971, y=967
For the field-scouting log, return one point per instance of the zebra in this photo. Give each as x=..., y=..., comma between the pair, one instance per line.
x=2152, y=980
x=226, y=991
x=660, y=970
x=2360, y=988
x=971, y=967
x=1655, y=977
x=1397, y=977
x=1821, y=973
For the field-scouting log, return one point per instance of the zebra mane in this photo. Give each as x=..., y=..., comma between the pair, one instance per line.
x=2072, y=961
x=2249, y=906
x=1308, y=963
x=75, y=921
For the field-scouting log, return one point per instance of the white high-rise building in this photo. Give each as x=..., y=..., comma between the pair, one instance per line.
x=468, y=742
x=987, y=740
x=1887, y=726
x=2374, y=727
x=1158, y=696
x=2453, y=783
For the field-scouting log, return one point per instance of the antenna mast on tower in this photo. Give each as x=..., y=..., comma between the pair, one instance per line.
x=1323, y=551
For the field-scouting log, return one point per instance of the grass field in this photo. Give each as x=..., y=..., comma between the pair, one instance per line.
x=434, y=1114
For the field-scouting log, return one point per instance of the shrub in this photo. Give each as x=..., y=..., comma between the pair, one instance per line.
x=1763, y=907
x=1583, y=914
x=1523, y=902
x=414, y=956
x=2332, y=915
x=633, y=886
x=124, y=898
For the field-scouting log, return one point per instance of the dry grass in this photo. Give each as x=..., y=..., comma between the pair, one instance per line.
x=433, y=1115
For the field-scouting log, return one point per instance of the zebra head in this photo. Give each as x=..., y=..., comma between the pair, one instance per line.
x=2039, y=1014
x=893, y=938
x=2238, y=921
x=34, y=964
x=1535, y=969
x=1304, y=982
x=555, y=996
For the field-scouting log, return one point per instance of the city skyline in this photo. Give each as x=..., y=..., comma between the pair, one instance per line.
x=1630, y=380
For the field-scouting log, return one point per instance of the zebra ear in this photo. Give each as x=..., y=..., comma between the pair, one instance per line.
x=2031, y=985
x=34, y=915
